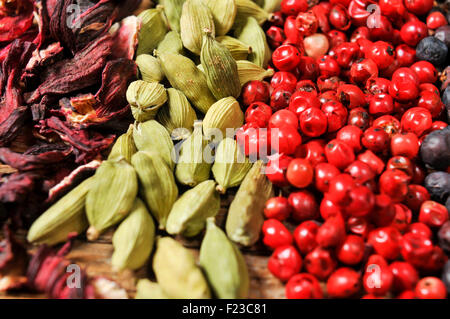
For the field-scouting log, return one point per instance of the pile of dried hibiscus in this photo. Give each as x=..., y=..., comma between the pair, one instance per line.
x=65, y=68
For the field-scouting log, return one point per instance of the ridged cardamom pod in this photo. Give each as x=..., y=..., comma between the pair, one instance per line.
x=150, y=68
x=153, y=30
x=195, y=17
x=249, y=71
x=177, y=272
x=124, y=146
x=111, y=197
x=272, y=5
x=224, y=13
x=184, y=75
x=152, y=137
x=193, y=165
x=172, y=9
x=230, y=165
x=189, y=213
x=224, y=114
x=252, y=34
x=220, y=68
x=248, y=8
x=134, y=238
x=158, y=186
x=145, y=289
x=245, y=215
x=226, y=271
x=238, y=49
x=145, y=99
x=171, y=43
x=177, y=116
x=62, y=218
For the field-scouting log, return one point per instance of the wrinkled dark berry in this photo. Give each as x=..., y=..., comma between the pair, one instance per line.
x=432, y=50
x=435, y=149
x=438, y=185
x=444, y=236
x=446, y=276
x=443, y=34
x=446, y=100
x=447, y=204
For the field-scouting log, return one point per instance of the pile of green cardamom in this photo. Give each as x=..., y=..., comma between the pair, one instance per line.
x=194, y=56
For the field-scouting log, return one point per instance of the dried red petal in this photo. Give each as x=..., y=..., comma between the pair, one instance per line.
x=16, y=17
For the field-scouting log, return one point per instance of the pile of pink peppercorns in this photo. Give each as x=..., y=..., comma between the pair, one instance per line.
x=362, y=157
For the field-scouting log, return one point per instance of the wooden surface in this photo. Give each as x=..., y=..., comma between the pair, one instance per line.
x=95, y=258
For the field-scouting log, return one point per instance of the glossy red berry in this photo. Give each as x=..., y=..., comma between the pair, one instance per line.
x=401, y=163
x=378, y=85
x=386, y=241
x=425, y=71
x=308, y=68
x=300, y=173
x=286, y=79
x=381, y=104
x=382, y=53
x=361, y=172
x=375, y=139
x=253, y=140
x=416, y=120
x=419, y=7
x=323, y=174
x=351, y=135
x=405, y=144
x=285, y=139
x=283, y=118
x=413, y=31
x=285, y=262
x=255, y=91
x=378, y=277
x=362, y=70
x=277, y=208
x=293, y=7
x=313, y=122
x=394, y=183
x=304, y=206
x=286, y=57
x=361, y=201
x=359, y=117
x=432, y=102
x=405, y=55
x=275, y=36
x=343, y=283
x=416, y=249
x=383, y=213
x=275, y=234
x=375, y=163
x=351, y=252
x=339, y=154
x=258, y=113
x=320, y=263
x=336, y=115
x=280, y=97
x=430, y=288
x=313, y=151
x=435, y=20
x=293, y=36
x=276, y=170
x=306, y=23
x=433, y=214
x=303, y=286
x=336, y=37
x=328, y=66
x=301, y=101
x=305, y=236
x=420, y=229
x=405, y=276
x=351, y=96
x=332, y=232
x=393, y=9
x=339, y=17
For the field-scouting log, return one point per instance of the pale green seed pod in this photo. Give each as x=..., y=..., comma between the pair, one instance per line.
x=145, y=289
x=134, y=238
x=171, y=43
x=177, y=272
x=184, y=75
x=124, y=146
x=245, y=215
x=62, y=218
x=172, y=9
x=230, y=166
x=152, y=137
x=252, y=34
x=158, y=187
x=220, y=68
x=226, y=271
x=112, y=196
x=153, y=30
x=249, y=71
x=145, y=99
x=189, y=213
x=195, y=17
x=150, y=68
x=238, y=49
x=248, y=8
x=177, y=116
x=272, y=5
x=224, y=114
x=224, y=13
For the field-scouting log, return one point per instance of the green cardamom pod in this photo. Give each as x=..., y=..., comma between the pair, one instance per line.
x=195, y=17
x=62, y=218
x=224, y=13
x=193, y=166
x=249, y=71
x=145, y=289
x=238, y=49
x=150, y=68
x=171, y=43
x=145, y=99
x=153, y=30
x=184, y=75
x=230, y=166
x=177, y=272
x=189, y=213
x=158, y=186
x=226, y=271
x=224, y=114
x=124, y=146
x=245, y=215
x=272, y=5
x=177, y=116
x=111, y=197
x=172, y=9
x=248, y=8
x=220, y=68
x=152, y=137
x=253, y=35
x=134, y=238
